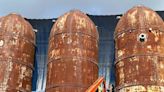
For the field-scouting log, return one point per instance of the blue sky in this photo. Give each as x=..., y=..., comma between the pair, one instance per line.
x=41, y=9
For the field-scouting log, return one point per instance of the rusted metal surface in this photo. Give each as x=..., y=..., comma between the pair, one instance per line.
x=72, y=54
x=139, y=40
x=16, y=54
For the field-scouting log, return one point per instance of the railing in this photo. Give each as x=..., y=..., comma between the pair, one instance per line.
x=94, y=87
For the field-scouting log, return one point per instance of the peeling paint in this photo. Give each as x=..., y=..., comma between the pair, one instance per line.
x=1, y=43
x=120, y=53
x=149, y=47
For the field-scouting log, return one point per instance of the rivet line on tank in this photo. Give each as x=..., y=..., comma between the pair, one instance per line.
x=70, y=57
x=116, y=34
x=7, y=34
x=130, y=56
x=137, y=84
x=75, y=33
x=67, y=85
x=17, y=90
x=18, y=62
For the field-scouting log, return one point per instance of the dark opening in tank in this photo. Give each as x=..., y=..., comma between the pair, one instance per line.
x=142, y=37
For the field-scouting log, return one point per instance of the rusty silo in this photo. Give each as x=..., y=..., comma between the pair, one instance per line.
x=72, y=53
x=139, y=40
x=16, y=54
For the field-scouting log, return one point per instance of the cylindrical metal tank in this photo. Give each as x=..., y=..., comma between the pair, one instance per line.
x=139, y=51
x=16, y=54
x=72, y=53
